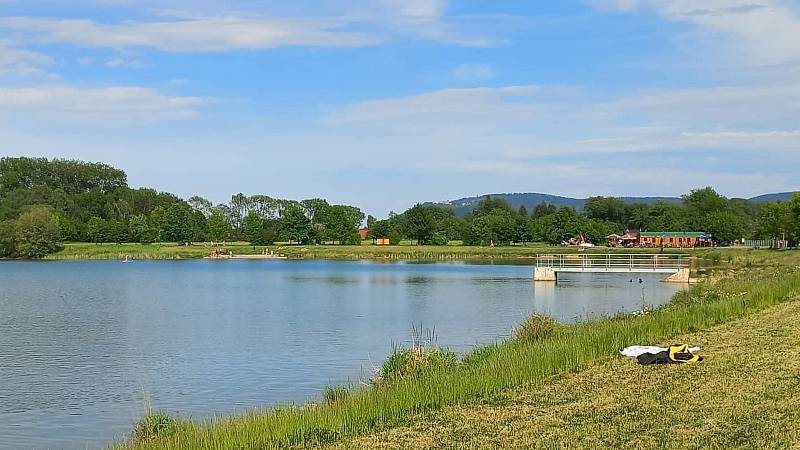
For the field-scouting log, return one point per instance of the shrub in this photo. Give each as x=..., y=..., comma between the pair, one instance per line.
x=154, y=425
x=415, y=361
x=537, y=327
x=37, y=233
x=439, y=238
x=394, y=237
x=8, y=243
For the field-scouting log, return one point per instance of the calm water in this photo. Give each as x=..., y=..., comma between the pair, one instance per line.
x=84, y=346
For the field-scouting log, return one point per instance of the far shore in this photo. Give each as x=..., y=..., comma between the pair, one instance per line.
x=404, y=251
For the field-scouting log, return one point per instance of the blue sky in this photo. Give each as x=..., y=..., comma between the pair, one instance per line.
x=385, y=103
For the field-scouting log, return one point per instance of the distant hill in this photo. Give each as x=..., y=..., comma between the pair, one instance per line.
x=465, y=205
x=780, y=196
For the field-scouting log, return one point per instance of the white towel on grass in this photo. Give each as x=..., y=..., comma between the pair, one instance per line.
x=635, y=350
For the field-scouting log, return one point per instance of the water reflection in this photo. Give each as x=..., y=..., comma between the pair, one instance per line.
x=586, y=296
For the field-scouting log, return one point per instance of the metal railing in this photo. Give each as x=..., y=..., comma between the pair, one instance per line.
x=614, y=261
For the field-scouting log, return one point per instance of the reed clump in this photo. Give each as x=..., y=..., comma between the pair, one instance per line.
x=415, y=362
x=154, y=425
x=535, y=328
x=334, y=394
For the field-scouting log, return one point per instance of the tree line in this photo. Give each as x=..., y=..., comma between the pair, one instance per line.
x=495, y=221
x=45, y=202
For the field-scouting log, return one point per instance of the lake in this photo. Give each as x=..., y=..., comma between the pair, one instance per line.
x=86, y=346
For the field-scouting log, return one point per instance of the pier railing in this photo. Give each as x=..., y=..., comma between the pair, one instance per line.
x=613, y=262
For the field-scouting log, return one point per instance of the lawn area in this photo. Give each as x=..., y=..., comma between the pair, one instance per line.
x=745, y=394
x=405, y=251
x=570, y=379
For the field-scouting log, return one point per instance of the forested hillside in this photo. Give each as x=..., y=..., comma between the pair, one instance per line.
x=530, y=200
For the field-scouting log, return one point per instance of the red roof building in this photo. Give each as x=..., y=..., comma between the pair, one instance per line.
x=363, y=233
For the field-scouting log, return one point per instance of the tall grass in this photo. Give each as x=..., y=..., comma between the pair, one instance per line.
x=494, y=368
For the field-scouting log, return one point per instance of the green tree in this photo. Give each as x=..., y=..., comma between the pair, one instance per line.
x=315, y=209
x=666, y=216
x=218, y=227
x=543, y=209
x=253, y=228
x=8, y=242
x=177, y=223
x=420, y=223
x=158, y=221
x=341, y=224
x=117, y=231
x=140, y=230
x=37, y=233
x=71, y=230
x=382, y=229
x=296, y=224
x=636, y=216
x=272, y=231
x=239, y=206
x=558, y=227
x=774, y=221
x=795, y=227
x=204, y=206
x=605, y=208
x=704, y=201
x=493, y=229
x=725, y=225
x=97, y=230
x=199, y=226
x=489, y=205
x=439, y=238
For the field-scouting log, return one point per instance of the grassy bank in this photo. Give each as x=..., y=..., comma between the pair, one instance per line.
x=755, y=281
x=79, y=251
x=744, y=395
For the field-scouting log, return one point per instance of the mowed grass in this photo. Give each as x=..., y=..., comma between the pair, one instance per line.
x=761, y=280
x=405, y=251
x=745, y=394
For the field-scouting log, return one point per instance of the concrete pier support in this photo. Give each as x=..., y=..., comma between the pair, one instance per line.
x=544, y=274
x=682, y=276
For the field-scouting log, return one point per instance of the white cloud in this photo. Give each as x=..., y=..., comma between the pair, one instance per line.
x=474, y=72
x=444, y=108
x=198, y=35
x=125, y=62
x=523, y=122
x=98, y=104
x=22, y=62
x=424, y=19
x=420, y=9
x=766, y=32
x=210, y=26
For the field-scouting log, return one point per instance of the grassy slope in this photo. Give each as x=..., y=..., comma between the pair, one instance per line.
x=763, y=280
x=398, y=252
x=744, y=395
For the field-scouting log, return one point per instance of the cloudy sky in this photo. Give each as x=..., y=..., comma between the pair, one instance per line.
x=382, y=103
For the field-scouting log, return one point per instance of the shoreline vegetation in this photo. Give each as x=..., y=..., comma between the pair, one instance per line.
x=403, y=252
x=539, y=350
x=744, y=395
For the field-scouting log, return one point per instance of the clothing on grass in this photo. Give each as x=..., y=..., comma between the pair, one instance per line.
x=635, y=350
x=675, y=354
